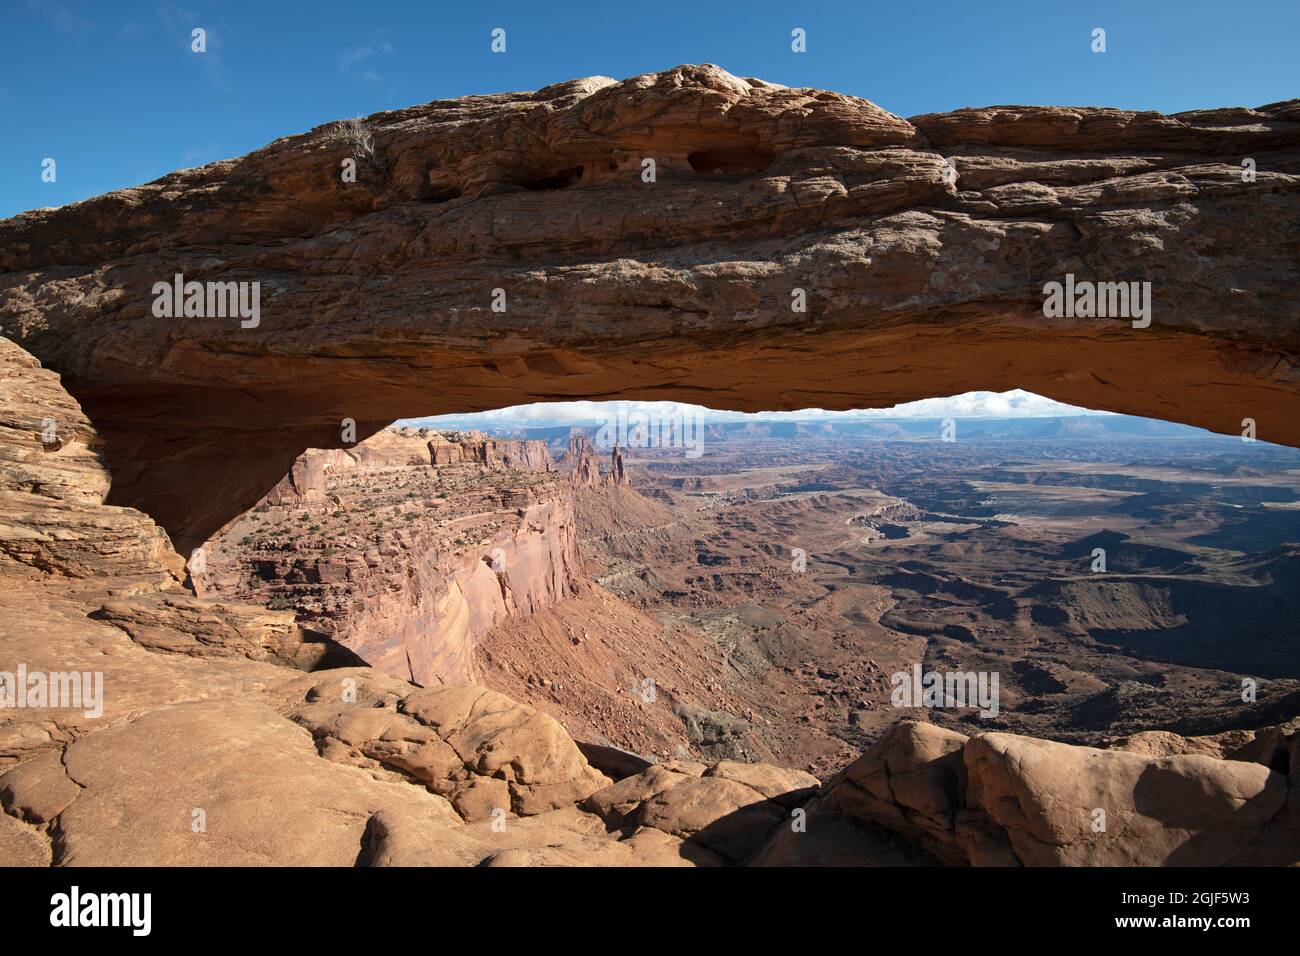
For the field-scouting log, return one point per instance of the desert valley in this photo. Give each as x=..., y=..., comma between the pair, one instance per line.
x=753, y=602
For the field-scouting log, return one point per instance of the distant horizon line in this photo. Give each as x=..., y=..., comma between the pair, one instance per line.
x=433, y=421
x=466, y=423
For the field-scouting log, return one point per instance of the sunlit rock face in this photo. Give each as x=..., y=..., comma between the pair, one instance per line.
x=582, y=463
x=407, y=548
x=786, y=248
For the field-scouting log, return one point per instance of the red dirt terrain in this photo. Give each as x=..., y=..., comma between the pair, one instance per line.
x=972, y=556
x=755, y=603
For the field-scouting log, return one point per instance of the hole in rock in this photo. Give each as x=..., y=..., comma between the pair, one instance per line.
x=559, y=180
x=677, y=580
x=733, y=161
x=446, y=194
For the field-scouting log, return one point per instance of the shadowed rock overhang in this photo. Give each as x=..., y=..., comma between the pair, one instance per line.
x=922, y=248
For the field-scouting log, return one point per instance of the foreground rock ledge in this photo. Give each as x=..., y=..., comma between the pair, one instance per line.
x=376, y=296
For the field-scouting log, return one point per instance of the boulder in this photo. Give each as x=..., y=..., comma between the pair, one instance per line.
x=999, y=799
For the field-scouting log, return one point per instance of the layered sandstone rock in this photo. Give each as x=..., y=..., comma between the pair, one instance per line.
x=180, y=623
x=1001, y=799
x=211, y=746
x=406, y=549
x=398, y=448
x=52, y=488
x=583, y=466
x=506, y=249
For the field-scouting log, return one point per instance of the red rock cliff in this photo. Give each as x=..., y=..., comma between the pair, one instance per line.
x=407, y=548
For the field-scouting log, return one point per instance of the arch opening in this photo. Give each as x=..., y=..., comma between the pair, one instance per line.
x=791, y=565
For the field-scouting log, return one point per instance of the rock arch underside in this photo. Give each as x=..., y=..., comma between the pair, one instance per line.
x=377, y=295
x=922, y=246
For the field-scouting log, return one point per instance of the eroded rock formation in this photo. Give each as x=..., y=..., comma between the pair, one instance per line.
x=407, y=548
x=208, y=750
x=1004, y=800
x=583, y=465
x=507, y=248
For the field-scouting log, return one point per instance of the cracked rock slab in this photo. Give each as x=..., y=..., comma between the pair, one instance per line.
x=1004, y=799
x=480, y=749
x=264, y=795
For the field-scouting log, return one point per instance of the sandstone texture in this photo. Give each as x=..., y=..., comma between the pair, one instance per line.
x=1004, y=800
x=922, y=247
x=179, y=623
x=407, y=548
x=453, y=558
x=214, y=746
x=583, y=466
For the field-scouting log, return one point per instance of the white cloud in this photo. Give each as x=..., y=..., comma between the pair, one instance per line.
x=198, y=156
x=357, y=54
x=353, y=62
x=1013, y=404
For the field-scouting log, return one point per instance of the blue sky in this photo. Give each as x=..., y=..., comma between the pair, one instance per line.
x=113, y=93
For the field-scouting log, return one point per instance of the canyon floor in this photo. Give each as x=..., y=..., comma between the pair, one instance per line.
x=969, y=556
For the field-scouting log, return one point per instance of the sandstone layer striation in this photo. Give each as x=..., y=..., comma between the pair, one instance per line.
x=406, y=548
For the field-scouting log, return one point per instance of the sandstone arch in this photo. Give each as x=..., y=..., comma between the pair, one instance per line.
x=377, y=294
